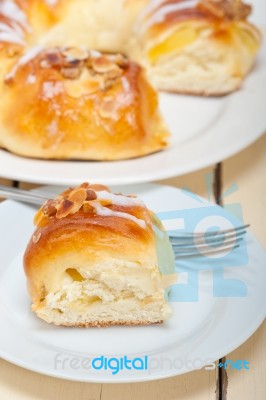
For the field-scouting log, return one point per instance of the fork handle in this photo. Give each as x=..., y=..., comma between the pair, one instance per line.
x=22, y=195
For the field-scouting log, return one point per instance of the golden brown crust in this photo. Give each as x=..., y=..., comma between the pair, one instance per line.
x=60, y=233
x=73, y=108
x=213, y=12
x=80, y=105
x=92, y=261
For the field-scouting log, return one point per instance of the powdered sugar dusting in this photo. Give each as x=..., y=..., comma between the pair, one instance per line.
x=31, y=79
x=52, y=128
x=52, y=89
x=125, y=83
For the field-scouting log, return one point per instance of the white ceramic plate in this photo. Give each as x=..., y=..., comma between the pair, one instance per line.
x=198, y=333
x=204, y=131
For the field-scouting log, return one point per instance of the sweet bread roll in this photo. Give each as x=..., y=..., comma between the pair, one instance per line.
x=79, y=104
x=203, y=47
x=93, y=260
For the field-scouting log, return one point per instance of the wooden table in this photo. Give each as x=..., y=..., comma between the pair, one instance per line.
x=248, y=171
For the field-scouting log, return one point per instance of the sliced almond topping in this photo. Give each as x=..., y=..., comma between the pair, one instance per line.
x=53, y=57
x=84, y=185
x=75, y=53
x=100, y=188
x=71, y=72
x=103, y=64
x=49, y=208
x=64, y=209
x=113, y=74
x=91, y=195
x=120, y=60
x=232, y=9
x=78, y=195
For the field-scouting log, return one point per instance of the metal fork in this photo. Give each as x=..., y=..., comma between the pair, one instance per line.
x=207, y=243
x=196, y=244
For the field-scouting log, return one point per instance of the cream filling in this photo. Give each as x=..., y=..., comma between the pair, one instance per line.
x=92, y=294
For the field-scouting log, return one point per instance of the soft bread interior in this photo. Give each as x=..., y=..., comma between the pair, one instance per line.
x=117, y=292
x=198, y=57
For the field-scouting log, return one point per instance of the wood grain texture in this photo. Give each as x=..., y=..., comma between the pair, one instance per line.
x=244, y=384
x=20, y=384
x=196, y=182
x=198, y=385
x=248, y=171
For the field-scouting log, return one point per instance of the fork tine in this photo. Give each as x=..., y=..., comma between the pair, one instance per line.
x=206, y=253
x=200, y=234
x=214, y=240
x=211, y=235
x=201, y=247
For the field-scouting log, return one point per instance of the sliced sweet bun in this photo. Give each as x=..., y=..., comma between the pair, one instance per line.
x=92, y=261
x=197, y=47
x=79, y=104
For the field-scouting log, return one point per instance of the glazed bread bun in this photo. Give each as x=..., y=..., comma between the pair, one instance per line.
x=92, y=260
x=79, y=104
x=203, y=47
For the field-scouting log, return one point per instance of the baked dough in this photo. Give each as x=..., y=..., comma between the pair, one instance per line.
x=203, y=47
x=70, y=110
x=79, y=104
x=93, y=261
